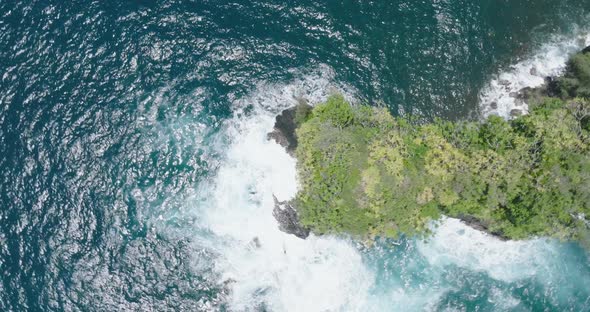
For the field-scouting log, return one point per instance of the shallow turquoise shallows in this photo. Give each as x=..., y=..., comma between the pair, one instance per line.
x=136, y=174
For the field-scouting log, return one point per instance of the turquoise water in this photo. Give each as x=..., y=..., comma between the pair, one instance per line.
x=136, y=173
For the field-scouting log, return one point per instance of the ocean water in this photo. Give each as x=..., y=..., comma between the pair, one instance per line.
x=136, y=174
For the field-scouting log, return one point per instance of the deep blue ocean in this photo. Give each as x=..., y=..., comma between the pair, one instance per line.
x=135, y=173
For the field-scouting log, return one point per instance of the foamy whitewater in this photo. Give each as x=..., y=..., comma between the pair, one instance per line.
x=499, y=96
x=264, y=268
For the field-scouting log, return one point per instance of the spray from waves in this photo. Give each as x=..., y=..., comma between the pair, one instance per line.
x=265, y=268
x=454, y=243
x=499, y=96
x=559, y=271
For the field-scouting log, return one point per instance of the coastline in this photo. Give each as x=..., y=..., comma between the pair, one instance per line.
x=286, y=124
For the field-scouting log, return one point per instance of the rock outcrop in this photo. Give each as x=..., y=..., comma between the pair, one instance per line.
x=284, y=134
x=286, y=214
x=481, y=226
x=285, y=126
x=284, y=130
x=531, y=96
x=550, y=88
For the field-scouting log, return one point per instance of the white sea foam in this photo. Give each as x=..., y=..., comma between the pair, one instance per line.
x=455, y=243
x=498, y=97
x=264, y=266
x=502, y=299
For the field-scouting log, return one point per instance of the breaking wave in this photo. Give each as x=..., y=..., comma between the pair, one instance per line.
x=499, y=96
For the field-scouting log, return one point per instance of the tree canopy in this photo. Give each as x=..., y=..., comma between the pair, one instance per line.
x=367, y=173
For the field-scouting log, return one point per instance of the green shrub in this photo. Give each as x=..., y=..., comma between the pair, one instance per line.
x=576, y=80
x=302, y=113
x=336, y=111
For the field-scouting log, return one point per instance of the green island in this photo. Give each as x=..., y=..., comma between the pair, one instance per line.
x=366, y=173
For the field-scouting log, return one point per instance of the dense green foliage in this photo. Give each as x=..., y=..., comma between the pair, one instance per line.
x=576, y=80
x=366, y=173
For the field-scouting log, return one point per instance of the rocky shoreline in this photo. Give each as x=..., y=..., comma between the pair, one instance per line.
x=284, y=129
x=531, y=96
x=284, y=134
x=288, y=219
